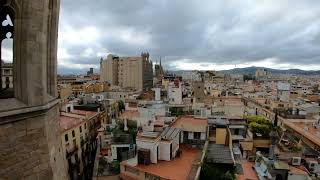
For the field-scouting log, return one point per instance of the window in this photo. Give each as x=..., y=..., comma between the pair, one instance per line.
x=85, y=125
x=73, y=134
x=80, y=129
x=66, y=137
x=6, y=46
x=196, y=135
x=236, y=132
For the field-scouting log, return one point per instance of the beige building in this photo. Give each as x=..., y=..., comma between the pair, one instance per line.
x=64, y=91
x=131, y=72
x=261, y=73
x=78, y=137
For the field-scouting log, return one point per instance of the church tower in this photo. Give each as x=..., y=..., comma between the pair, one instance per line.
x=30, y=146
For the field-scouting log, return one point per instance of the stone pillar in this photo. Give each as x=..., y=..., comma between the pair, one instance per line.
x=30, y=143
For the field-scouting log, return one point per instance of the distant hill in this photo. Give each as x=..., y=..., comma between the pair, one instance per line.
x=253, y=69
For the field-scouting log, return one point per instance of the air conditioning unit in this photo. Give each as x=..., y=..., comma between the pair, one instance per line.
x=296, y=161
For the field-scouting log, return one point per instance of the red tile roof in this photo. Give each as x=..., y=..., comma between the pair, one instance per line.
x=248, y=172
x=298, y=170
x=177, y=169
x=67, y=122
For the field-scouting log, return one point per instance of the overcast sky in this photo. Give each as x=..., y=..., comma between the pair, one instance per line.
x=191, y=34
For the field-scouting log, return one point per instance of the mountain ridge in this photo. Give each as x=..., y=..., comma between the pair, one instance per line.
x=252, y=70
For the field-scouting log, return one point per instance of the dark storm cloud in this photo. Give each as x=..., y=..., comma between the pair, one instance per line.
x=220, y=32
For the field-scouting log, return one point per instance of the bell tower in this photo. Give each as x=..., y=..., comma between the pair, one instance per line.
x=30, y=145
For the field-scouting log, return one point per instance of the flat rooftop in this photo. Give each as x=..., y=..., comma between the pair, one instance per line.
x=131, y=115
x=67, y=122
x=310, y=134
x=248, y=172
x=189, y=123
x=177, y=169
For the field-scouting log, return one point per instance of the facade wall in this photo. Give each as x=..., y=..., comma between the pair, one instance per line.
x=190, y=135
x=152, y=146
x=131, y=72
x=114, y=147
x=84, y=134
x=164, y=151
x=203, y=136
x=31, y=148
x=198, y=89
x=175, y=95
x=221, y=135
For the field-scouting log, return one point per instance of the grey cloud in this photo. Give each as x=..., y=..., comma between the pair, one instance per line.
x=204, y=31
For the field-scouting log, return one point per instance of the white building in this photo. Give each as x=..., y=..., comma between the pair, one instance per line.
x=174, y=93
x=161, y=145
x=283, y=91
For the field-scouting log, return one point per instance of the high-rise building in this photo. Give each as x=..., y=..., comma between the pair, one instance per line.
x=128, y=72
x=90, y=72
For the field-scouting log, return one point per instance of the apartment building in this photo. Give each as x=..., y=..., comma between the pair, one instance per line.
x=129, y=72
x=78, y=136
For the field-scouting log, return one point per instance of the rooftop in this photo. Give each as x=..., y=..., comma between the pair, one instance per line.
x=219, y=154
x=84, y=113
x=310, y=134
x=177, y=169
x=281, y=165
x=129, y=115
x=248, y=172
x=189, y=123
x=169, y=133
x=67, y=122
x=298, y=170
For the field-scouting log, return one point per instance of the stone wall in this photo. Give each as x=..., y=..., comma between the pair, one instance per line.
x=31, y=148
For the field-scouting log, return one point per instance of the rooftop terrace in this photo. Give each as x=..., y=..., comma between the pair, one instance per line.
x=177, y=169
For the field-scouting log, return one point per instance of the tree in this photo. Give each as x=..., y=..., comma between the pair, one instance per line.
x=122, y=106
x=208, y=171
x=259, y=124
